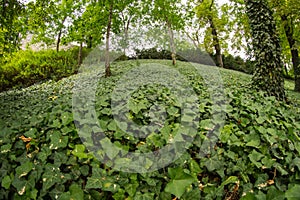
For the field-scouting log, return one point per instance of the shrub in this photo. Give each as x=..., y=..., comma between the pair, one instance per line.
x=27, y=67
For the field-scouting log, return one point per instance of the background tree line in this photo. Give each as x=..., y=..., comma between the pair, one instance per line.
x=168, y=24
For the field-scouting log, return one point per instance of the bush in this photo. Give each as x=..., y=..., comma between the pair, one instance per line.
x=24, y=68
x=238, y=64
x=153, y=53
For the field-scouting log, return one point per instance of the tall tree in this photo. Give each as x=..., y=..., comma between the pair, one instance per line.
x=131, y=13
x=12, y=25
x=167, y=12
x=108, y=29
x=266, y=47
x=49, y=21
x=208, y=15
x=289, y=14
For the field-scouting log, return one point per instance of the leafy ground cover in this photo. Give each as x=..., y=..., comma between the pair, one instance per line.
x=248, y=149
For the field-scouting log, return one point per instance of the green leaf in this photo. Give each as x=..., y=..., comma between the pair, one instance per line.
x=267, y=162
x=5, y=148
x=260, y=120
x=6, y=181
x=293, y=193
x=58, y=141
x=296, y=162
x=76, y=192
x=229, y=180
x=66, y=118
x=112, y=126
x=146, y=196
x=179, y=182
x=274, y=194
x=110, y=150
x=213, y=164
x=79, y=152
x=255, y=157
x=50, y=177
x=24, y=169
x=109, y=185
x=96, y=180
x=194, y=167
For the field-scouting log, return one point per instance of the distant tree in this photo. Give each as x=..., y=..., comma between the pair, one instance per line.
x=289, y=19
x=49, y=21
x=208, y=16
x=267, y=51
x=12, y=25
x=167, y=13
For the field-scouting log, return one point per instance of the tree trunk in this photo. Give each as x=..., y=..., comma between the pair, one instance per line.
x=59, y=35
x=268, y=74
x=58, y=40
x=80, y=54
x=126, y=25
x=172, y=44
x=289, y=32
x=107, y=62
x=216, y=43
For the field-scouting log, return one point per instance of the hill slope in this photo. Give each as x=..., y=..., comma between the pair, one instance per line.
x=153, y=131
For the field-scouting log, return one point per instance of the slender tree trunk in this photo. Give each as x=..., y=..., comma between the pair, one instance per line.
x=289, y=32
x=126, y=40
x=172, y=44
x=107, y=62
x=80, y=54
x=268, y=74
x=216, y=41
x=59, y=35
x=126, y=25
x=58, y=40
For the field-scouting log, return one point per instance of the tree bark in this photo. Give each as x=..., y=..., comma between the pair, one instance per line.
x=172, y=44
x=59, y=35
x=107, y=61
x=289, y=32
x=80, y=54
x=216, y=43
x=126, y=25
x=58, y=40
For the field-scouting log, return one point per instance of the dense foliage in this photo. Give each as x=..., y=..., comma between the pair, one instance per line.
x=27, y=67
x=256, y=155
x=268, y=74
x=197, y=56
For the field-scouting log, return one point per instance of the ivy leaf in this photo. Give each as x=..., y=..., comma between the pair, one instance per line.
x=110, y=150
x=51, y=176
x=274, y=194
x=79, y=151
x=6, y=181
x=213, y=164
x=146, y=196
x=255, y=157
x=96, y=180
x=179, y=182
x=24, y=169
x=76, y=192
x=293, y=193
x=66, y=118
x=58, y=141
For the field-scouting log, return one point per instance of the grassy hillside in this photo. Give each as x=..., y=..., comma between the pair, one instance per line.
x=223, y=140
